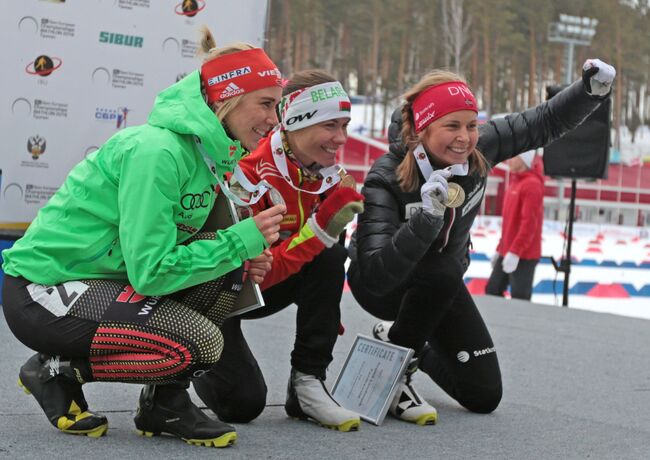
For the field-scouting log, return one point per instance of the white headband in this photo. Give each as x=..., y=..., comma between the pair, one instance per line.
x=314, y=104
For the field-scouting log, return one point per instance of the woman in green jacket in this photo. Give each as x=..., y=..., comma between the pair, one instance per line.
x=114, y=281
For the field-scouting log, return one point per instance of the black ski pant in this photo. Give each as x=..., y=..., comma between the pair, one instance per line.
x=436, y=316
x=234, y=388
x=520, y=281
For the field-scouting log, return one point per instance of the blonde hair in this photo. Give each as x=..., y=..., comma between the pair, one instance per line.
x=407, y=171
x=209, y=49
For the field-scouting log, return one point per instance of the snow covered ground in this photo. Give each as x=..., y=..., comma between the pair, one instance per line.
x=611, y=272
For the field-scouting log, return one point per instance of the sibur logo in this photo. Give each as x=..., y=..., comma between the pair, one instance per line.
x=36, y=146
x=43, y=65
x=189, y=8
x=112, y=38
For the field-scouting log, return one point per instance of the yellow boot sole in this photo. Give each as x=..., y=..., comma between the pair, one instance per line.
x=225, y=440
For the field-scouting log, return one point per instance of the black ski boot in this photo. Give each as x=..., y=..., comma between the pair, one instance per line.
x=58, y=391
x=169, y=409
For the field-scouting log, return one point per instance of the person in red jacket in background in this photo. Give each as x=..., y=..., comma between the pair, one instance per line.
x=295, y=166
x=520, y=247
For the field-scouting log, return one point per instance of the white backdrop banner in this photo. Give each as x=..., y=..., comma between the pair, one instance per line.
x=77, y=71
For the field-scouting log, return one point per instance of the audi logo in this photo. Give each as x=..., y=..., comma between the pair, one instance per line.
x=191, y=201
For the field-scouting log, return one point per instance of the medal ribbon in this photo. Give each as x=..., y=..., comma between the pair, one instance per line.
x=330, y=174
x=426, y=169
x=256, y=191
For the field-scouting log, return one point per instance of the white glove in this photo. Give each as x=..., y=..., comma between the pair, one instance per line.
x=434, y=192
x=493, y=260
x=598, y=76
x=510, y=262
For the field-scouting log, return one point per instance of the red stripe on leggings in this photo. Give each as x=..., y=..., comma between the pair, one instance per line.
x=176, y=358
x=111, y=343
x=132, y=333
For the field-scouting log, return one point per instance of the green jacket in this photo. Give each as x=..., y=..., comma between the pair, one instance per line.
x=124, y=212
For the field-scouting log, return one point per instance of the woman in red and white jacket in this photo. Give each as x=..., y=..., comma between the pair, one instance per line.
x=520, y=247
x=294, y=165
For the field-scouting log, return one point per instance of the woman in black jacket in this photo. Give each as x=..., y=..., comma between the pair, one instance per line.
x=411, y=246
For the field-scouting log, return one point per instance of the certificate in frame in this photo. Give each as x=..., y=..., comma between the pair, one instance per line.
x=369, y=377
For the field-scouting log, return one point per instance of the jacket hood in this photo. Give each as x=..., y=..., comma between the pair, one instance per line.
x=535, y=171
x=182, y=109
x=395, y=133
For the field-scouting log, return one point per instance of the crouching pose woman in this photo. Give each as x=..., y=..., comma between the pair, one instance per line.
x=112, y=281
x=413, y=239
x=297, y=161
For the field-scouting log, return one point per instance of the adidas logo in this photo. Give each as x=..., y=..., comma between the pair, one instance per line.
x=230, y=91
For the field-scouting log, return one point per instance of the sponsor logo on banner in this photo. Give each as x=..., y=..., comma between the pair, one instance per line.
x=130, y=4
x=21, y=106
x=229, y=75
x=13, y=192
x=118, y=115
x=41, y=110
x=189, y=49
x=118, y=78
x=36, y=194
x=114, y=38
x=36, y=146
x=49, y=28
x=43, y=65
x=189, y=8
x=123, y=78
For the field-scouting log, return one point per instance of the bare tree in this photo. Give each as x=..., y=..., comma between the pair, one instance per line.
x=458, y=32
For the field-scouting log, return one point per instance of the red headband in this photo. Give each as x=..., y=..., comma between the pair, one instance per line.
x=238, y=73
x=439, y=100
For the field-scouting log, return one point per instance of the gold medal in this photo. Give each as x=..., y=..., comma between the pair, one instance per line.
x=346, y=179
x=455, y=195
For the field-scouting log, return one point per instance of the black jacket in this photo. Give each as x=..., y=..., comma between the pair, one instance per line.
x=387, y=245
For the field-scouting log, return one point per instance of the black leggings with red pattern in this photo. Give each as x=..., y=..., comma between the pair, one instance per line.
x=126, y=337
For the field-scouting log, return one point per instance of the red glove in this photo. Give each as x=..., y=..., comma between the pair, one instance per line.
x=334, y=213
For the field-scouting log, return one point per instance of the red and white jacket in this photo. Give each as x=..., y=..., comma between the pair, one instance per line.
x=297, y=244
x=523, y=215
